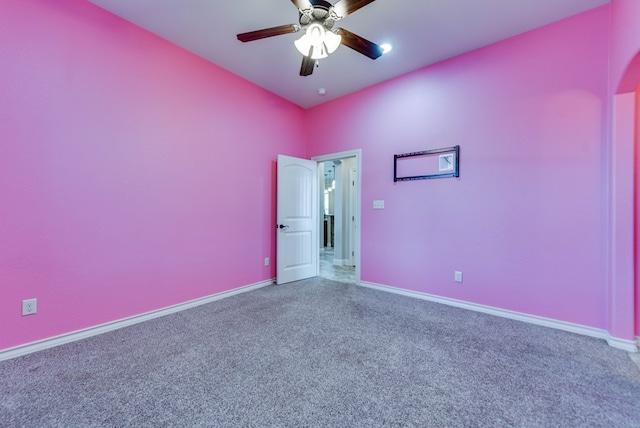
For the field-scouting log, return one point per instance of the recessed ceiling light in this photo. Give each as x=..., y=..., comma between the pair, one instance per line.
x=386, y=48
x=322, y=91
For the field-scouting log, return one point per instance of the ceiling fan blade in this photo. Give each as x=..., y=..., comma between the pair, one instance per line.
x=307, y=65
x=345, y=7
x=359, y=44
x=268, y=32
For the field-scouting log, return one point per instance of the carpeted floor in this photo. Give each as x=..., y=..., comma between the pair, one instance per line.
x=322, y=353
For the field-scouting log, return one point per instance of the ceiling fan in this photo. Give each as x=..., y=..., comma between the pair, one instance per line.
x=317, y=18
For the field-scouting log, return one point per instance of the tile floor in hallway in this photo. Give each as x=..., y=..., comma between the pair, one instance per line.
x=330, y=271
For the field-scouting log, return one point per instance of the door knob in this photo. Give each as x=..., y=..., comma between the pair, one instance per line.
x=284, y=226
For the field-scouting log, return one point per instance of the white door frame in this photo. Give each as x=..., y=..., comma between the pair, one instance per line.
x=353, y=178
x=357, y=153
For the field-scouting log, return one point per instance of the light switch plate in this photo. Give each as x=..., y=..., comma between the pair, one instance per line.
x=378, y=205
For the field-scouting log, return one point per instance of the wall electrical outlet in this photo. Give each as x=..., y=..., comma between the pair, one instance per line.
x=266, y=261
x=378, y=205
x=29, y=306
x=457, y=276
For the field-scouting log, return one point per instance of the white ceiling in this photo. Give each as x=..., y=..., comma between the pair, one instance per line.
x=422, y=32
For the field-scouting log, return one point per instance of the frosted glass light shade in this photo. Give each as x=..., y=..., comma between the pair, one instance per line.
x=303, y=45
x=315, y=33
x=332, y=41
x=317, y=42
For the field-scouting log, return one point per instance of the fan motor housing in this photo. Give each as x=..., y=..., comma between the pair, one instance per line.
x=322, y=4
x=320, y=14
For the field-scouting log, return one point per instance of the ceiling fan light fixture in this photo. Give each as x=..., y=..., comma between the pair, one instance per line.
x=312, y=42
x=317, y=42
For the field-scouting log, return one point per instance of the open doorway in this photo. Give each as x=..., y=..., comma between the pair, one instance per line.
x=339, y=206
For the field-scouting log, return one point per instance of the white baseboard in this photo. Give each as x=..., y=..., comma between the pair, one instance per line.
x=341, y=262
x=623, y=344
x=62, y=339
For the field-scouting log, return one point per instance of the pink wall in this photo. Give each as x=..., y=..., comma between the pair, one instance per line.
x=624, y=78
x=122, y=189
x=133, y=175
x=625, y=45
x=621, y=217
x=526, y=220
x=637, y=211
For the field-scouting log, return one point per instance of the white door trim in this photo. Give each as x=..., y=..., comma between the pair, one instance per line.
x=353, y=178
x=357, y=153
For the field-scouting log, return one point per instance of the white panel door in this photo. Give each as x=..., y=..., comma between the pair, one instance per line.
x=297, y=235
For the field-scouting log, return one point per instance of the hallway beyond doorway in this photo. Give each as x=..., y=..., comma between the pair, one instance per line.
x=333, y=272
